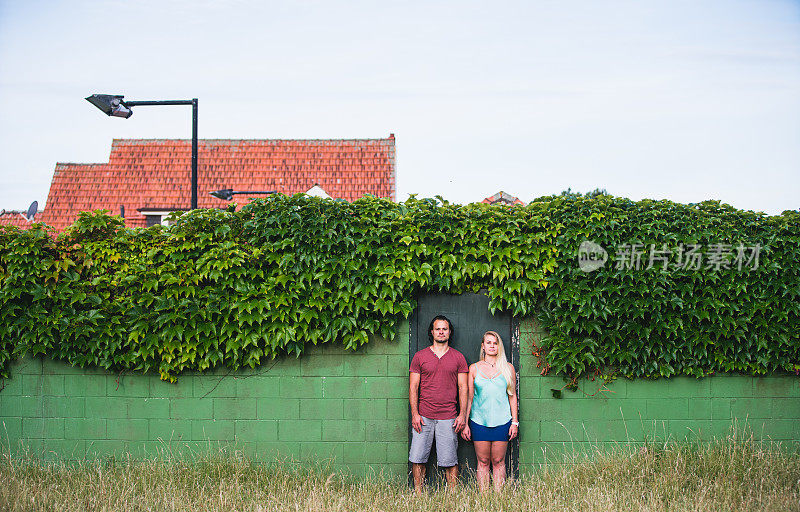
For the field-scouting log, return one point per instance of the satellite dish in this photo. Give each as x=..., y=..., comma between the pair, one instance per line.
x=33, y=209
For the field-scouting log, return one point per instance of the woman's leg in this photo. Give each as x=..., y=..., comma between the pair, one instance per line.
x=483, y=451
x=498, y=454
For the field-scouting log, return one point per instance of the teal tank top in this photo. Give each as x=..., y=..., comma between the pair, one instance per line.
x=490, y=406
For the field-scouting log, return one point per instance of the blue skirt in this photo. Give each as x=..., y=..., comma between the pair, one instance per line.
x=481, y=433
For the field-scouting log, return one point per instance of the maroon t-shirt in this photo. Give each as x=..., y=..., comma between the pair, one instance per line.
x=438, y=384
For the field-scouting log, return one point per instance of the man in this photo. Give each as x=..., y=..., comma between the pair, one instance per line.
x=438, y=397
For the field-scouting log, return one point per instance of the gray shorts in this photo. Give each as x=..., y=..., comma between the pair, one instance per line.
x=446, y=443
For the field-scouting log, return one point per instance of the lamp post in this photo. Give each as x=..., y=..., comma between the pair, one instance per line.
x=226, y=194
x=116, y=106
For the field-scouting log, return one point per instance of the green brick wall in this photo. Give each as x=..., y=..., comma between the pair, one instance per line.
x=350, y=408
x=634, y=411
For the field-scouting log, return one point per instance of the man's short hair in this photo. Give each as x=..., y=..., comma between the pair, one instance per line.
x=449, y=323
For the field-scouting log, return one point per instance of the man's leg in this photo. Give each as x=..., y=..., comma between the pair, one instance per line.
x=421, y=443
x=447, y=449
x=418, y=472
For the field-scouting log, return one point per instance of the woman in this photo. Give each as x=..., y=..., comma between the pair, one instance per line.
x=492, y=410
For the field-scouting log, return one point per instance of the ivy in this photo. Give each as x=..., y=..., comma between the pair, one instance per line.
x=239, y=288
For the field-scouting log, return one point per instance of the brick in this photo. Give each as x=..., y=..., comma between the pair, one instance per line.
x=731, y=386
x=12, y=386
x=397, y=365
x=10, y=430
x=750, y=408
x=300, y=430
x=785, y=408
x=386, y=430
x=85, y=385
x=315, y=452
x=396, y=409
x=343, y=430
x=213, y=430
x=256, y=430
x=43, y=428
x=690, y=429
x=191, y=408
x=529, y=387
x=278, y=408
x=169, y=430
x=667, y=408
x=688, y=386
x=128, y=386
x=62, y=449
x=104, y=449
x=34, y=385
x=319, y=365
x=396, y=452
x=148, y=407
x=257, y=387
x=126, y=429
x=283, y=366
x=184, y=388
x=561, y=431
x=641, y=388
x=529, y=432
x=30, y=406
x=777, y=430
x=366, y=365
x=206, y=386
x=365, y=409
x=778, y=386
x=271, y=451
x=530, y=410
x=387, y=387
x=11, y=405
x=63, y=407
x=301, y=387
x=84, y=428
x=28, y=365
x=343, y=387
x=234, y=408
x=329, y=408
x=102, y=407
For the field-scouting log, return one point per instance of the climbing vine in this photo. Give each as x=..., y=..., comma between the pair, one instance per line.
x=239, y=288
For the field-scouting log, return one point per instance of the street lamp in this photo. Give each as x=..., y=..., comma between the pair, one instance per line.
x=114, y=105
x=226, y=194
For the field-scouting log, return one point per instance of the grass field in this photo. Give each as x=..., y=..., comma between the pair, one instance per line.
x=726, y=475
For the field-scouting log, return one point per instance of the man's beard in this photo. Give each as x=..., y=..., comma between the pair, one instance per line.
x=442, y=341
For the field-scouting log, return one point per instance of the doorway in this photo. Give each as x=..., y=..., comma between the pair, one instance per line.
x=470, y=316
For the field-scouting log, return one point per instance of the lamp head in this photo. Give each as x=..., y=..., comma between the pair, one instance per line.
x=226, y=194
x=110, y=104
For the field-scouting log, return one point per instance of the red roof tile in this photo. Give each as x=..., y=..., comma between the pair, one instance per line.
x=155, y=174
x=503, y=198
x=15, y=218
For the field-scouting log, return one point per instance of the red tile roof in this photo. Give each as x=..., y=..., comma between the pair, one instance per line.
x=15, y=218
x=503, y=198
x=155, y=174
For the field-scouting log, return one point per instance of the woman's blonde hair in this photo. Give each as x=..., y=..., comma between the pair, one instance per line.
x=502, y=363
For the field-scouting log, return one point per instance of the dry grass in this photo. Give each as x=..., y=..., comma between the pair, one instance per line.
x=726, y=475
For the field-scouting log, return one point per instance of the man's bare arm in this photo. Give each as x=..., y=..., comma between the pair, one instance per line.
x=413, y=400
x=461, y=420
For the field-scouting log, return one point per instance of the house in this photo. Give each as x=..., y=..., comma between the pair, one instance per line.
x=145, y=180
x=15, y=218
x=503, y=198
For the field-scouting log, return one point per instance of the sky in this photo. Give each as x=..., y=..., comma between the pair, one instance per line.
x=680, y=100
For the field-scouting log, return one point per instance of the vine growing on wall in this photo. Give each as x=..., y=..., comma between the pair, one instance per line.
x=238, y=288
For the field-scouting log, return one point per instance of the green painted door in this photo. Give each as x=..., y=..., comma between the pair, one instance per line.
x=470, y=316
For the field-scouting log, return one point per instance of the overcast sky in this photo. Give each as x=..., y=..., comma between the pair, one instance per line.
x=683, y=100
